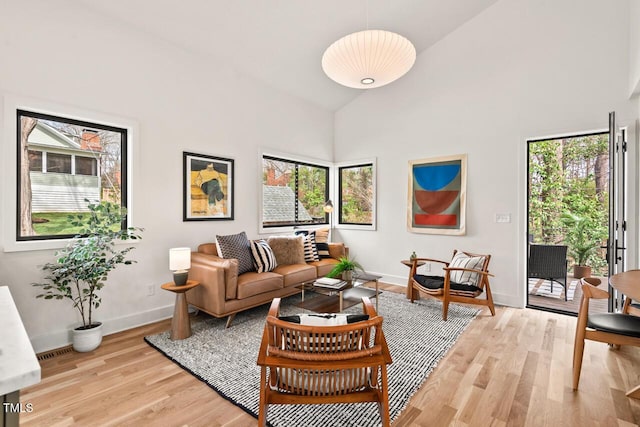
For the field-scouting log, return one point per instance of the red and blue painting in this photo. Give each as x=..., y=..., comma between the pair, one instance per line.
x=437, y=194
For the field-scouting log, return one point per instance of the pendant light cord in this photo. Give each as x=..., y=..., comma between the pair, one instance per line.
x=366, y=8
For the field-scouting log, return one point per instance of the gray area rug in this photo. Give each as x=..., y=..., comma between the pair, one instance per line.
x=225, y=359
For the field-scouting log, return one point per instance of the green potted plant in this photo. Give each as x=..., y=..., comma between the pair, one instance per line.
x=345, y=267
x=581, y=246
x=82, y=267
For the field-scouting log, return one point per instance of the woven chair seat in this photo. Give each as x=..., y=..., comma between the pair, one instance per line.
x=434, y=285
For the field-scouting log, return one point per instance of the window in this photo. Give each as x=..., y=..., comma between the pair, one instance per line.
x=60, y=163
x=70, y=161
x=357, y=194
x=86, y=166
x=35, y=161
x=293, y=192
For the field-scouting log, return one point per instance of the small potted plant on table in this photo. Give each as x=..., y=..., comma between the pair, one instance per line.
x=345, y=267
x=82, y=267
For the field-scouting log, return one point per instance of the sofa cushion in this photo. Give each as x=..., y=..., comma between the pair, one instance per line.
x=324, y=266
x=287, y=249
x=322, y=242
x=294, y=274
x=263, y=257
x=237, y=246
x=252, y=283
x=325, y=319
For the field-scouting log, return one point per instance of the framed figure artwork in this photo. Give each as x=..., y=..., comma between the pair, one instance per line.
x=208, y=188
x=437, y=195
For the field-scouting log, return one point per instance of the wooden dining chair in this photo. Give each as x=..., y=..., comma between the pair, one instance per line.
x=611, y=328
x=302, y=364
x=466, y=277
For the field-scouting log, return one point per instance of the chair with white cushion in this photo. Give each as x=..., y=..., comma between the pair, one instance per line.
x=335, y=362
x=466, y=277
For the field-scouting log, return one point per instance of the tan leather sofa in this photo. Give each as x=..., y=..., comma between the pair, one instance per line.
x=222, y=292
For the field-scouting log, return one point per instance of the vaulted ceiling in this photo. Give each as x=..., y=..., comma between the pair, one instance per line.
x=281, y=42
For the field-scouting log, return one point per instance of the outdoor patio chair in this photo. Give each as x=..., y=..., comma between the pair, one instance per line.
x=465, y=278
x=302, y=364
x=549, y=262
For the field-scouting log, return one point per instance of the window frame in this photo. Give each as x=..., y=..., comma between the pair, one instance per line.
x=71, y=164
x=9, y=181
x=299, y=161
x=337, y=212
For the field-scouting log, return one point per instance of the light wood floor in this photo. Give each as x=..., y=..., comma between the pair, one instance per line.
x=512, y=369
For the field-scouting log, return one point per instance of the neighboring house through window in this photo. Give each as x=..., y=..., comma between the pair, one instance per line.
x=69, y=162
x=293, y=192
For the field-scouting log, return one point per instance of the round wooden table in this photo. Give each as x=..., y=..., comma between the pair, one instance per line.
x=180, y=324
x=627, y=283
x=409, y=263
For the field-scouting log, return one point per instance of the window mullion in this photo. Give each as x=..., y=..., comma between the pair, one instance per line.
x=295, y=192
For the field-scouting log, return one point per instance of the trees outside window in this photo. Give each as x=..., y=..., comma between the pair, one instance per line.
x=568, y=177
x=356, y=188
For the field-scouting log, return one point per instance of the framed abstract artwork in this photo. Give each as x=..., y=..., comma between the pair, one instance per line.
x=437, y=195
x=208, y=188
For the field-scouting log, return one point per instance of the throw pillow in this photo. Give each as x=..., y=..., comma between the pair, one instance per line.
x=310, y=250
x=325, y=319
x=322, y=242
x=461, y=260
x=287, y=249
x=236, y=246
x=263, y=257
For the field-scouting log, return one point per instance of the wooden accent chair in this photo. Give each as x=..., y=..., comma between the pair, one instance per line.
x=549, y=262
x=303, y=364
x=611, y=328
x=466, y=277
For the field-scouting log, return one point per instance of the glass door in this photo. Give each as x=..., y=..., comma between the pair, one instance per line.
x=568, y=219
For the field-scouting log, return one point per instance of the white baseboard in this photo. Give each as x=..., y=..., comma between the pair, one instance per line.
x=60, y=339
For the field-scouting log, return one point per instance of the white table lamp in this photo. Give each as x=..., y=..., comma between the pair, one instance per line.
x=179, y=263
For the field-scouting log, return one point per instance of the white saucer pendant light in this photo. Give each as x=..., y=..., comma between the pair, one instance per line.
x=368, y=59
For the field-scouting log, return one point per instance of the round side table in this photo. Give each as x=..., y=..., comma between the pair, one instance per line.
x=180, y=324
x=409, y=263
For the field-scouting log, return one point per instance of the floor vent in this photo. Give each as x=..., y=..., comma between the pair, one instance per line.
x=51, y=354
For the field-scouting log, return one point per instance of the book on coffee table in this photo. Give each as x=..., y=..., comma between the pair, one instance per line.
x=327, y=282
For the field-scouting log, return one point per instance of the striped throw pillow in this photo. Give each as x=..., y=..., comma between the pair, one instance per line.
x=461, y=260
x=263, y=257
x=310, y=250
x=322, y=242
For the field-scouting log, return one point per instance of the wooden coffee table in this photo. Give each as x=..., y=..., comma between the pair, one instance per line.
x=328, y=300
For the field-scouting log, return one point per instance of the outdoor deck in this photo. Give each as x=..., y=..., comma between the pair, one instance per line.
x=559, y=304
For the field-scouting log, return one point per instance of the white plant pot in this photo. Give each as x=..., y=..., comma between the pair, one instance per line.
x=347, y=275
x=87, y=339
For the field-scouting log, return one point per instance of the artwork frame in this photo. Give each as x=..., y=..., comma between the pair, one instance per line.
x=437, y=195
x=207, y=202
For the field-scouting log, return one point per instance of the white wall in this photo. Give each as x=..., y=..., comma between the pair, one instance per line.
x=522, y=69
x=59, y=54
x=634, y=47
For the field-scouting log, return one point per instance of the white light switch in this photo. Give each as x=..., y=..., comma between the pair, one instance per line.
x=503, y=217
